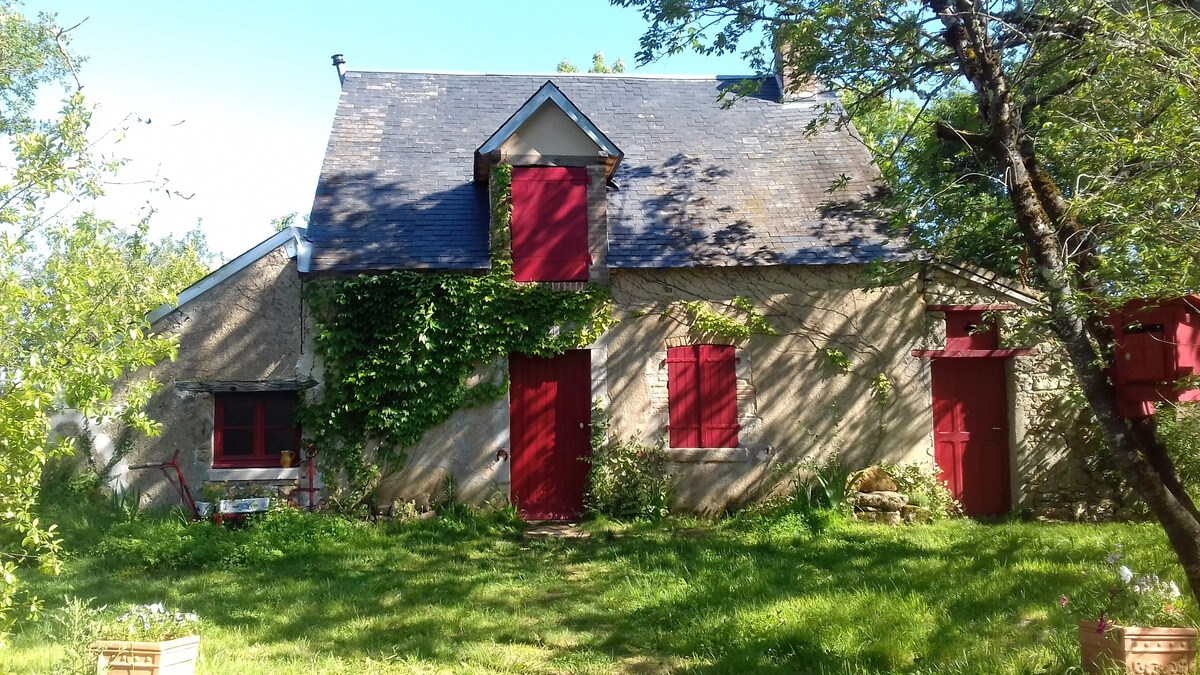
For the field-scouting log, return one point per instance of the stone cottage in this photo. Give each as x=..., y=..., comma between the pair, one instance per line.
x=681, y=205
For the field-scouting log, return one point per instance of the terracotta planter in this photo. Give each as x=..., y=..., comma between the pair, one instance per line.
x=169, y=657
x=1168, y=651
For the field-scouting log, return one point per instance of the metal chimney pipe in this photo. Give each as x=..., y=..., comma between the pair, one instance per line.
x=340, y=64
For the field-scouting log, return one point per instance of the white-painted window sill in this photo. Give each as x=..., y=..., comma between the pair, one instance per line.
x=278, y=473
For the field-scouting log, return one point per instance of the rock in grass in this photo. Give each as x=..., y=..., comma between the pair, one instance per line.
x=884, y=500
x=871, y=479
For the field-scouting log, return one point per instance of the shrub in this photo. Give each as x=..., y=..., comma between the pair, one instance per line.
x=176, y=544
x=1179, y=427
x=628, y=479
x=820, y=484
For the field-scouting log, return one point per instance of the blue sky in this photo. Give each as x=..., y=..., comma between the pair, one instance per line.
x=231, y=102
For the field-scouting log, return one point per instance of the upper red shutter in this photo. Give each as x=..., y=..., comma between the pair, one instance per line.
x=718, y=392
x=683, y=396
x=549, y=223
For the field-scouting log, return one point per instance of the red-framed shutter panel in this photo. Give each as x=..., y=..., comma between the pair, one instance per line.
x=683, y=396
x=218, y=430
x=718, y=391
x=549, y=223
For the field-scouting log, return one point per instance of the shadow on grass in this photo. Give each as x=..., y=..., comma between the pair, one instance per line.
x=762, y=596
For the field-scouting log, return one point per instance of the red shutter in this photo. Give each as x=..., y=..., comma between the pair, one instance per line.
x=683, y=396
x=549, y=223
x=718, y=391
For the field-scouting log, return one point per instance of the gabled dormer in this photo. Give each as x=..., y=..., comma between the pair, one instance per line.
x=548, y=129
x=561, y=163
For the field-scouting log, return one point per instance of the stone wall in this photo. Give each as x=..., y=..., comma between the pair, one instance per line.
x=249, y=327
x=794, y=401
x=1055, y=464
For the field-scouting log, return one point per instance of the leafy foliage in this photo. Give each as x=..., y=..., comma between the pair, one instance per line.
x=820, y=484
x=74, y=289
x=737, y=320
x=400, y=350
x=627, y=479
x=1116, y=596
x=150, y=623
x=923, y=485
x=598, y=65
x=176, y=543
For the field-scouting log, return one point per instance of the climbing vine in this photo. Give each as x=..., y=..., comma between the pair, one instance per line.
x=738, y=320
x=402, y=351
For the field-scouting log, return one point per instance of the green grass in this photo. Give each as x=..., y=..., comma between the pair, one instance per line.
x=755, y=594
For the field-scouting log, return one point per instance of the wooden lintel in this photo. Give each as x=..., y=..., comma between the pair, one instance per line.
x=971, y=353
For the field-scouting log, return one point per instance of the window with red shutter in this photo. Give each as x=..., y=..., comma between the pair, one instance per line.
x=549, y=223
x=254, y=429
x=702, y=396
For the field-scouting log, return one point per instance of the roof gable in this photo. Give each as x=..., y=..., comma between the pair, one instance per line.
x=528, y=113
x=291, y=239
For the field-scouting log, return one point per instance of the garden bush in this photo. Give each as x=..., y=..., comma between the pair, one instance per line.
x=628, y=479
x=173, y=543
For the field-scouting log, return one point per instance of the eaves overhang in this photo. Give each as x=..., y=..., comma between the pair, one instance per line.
x=291, y=239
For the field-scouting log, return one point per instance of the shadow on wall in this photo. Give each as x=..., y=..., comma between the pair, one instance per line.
x=247, y=328
x=808, y=403
x=1069, y=474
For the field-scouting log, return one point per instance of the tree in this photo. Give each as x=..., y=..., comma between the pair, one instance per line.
x=74, y=289
x=598, y=65
x=1058, y=139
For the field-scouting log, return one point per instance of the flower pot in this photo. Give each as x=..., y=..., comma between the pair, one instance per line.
x=169, y=657
x=1139, y=649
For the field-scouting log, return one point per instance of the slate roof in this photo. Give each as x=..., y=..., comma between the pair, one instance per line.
x=700, y=185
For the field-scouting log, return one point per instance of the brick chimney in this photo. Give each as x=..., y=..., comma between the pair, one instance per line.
x=795, y=83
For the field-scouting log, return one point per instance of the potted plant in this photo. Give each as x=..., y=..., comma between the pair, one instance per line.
x=148, y=640
x=1134, y=621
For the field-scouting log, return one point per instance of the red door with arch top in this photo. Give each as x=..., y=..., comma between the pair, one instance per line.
x=550, y=407
x=970, y=432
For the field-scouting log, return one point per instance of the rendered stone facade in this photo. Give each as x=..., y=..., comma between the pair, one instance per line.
x=794, y=401
x=250, y=327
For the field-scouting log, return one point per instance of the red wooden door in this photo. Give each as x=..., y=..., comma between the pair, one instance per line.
x=549, y=424
x=970, y=432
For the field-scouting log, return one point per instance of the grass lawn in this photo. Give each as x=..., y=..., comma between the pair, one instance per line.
x=745, y=595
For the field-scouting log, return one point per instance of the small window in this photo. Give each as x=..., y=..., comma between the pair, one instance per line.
x=702, y=396
x=549, y=223
x=254, y=429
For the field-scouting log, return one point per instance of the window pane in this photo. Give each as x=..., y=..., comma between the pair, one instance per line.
x=278, y=440
x=281, y=411
x=239, y=411
x=238, y=443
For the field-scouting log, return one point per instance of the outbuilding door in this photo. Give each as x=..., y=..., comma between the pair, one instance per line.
x=970, y=432
x=549, y=424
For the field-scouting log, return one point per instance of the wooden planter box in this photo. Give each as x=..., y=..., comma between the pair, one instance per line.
x=170, y=657
x=1168, y=651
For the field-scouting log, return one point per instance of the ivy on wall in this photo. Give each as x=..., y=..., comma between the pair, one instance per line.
x=739, y=320
x=400, y=349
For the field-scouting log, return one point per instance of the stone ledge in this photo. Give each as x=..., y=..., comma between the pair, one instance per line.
x=707, y=455
x=254, y=474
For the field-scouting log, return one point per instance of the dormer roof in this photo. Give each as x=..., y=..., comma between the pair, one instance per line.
x=491, y=150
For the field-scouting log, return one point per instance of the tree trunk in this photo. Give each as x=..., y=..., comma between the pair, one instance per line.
x=1046, y=225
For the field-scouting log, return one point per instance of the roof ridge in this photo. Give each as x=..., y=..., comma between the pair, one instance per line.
x=629, y=76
